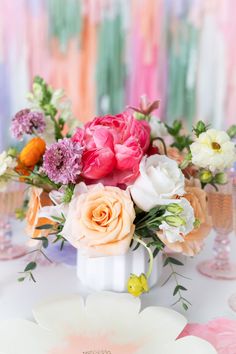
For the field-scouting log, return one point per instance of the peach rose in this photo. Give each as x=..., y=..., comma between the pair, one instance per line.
x=38, y=199
x=193, y=242
x=100, y=220
x=174, y=154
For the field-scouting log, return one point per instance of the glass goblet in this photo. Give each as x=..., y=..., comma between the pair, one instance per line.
x=221, y=210
x=232, y=299
x=11, y=198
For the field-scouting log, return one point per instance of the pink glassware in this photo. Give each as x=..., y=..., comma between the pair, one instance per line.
x=232, y=299
x=11, y=198
x=221, y=210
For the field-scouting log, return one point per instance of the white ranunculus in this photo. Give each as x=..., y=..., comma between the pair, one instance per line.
x=177, y=233
x=6, y=162
x=160, y=178
x=214, y=150
x=158, y=128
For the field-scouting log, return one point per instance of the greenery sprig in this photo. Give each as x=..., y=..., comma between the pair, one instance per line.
x=179, y=289
x=181, y=141
x=27, y=273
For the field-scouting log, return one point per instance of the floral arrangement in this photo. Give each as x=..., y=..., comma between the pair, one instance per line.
x=118, y=181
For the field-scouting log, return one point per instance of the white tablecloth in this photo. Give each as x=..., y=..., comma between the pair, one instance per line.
x=208, y=297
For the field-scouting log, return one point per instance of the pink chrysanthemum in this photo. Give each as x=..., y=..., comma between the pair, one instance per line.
x=62, y=161
x=27, y=122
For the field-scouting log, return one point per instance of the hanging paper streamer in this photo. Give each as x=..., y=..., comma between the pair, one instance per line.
x=106, y=53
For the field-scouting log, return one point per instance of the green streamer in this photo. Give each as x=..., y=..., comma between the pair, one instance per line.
x=110, y=71
x=182, y=49
x=64, y=20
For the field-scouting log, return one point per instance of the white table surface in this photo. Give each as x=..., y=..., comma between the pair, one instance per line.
x=208, y=297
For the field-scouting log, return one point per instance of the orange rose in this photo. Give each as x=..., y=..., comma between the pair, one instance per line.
x=38, y=199
x=32, y=152
x=193, y=242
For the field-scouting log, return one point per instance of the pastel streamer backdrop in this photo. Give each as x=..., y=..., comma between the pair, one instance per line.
x=106, y=53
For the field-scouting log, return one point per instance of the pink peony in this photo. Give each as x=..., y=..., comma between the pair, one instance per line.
x=114, y=147
x=98, y=162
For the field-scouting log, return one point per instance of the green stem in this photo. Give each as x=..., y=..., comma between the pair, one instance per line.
x=57, y=128
x=137, y=239
x=148, y=223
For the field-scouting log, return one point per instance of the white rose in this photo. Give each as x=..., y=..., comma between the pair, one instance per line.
x=214, y=150
x=6, y=162
x=158, y=129
x=173, y=233
x=160, y=178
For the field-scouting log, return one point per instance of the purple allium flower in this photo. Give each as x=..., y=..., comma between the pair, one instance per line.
x=27, y=122
x=62, y=161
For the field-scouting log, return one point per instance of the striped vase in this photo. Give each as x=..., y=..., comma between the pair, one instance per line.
x=112, y=273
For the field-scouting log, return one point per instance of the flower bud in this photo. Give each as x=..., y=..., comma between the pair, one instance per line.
x=174, y=220
x=174, y=208
x=232, y=131
x=200, y=128
x=12, y=152
x=37, y=89
x=139, y=116
x=206, y=176
x=137, y=285
x=221, y=178
x=177, y=126
x=197, y=223
x=49, y=110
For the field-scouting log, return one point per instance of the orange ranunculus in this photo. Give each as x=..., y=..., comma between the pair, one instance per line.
x=38, y=199
x=32, y=152
x=193, y=242
x=23, y=171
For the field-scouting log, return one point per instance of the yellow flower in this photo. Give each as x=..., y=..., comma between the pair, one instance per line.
x=137, y=285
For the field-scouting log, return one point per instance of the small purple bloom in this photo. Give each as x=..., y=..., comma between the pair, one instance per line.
x=27, y=122
x=62, y=161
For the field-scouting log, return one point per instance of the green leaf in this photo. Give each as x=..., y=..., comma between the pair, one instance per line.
x=32, y=277
x=185, y=306
x=136, y=247
x=44, y=227
x=30, y=266
x=62, y=244
x=172, y=260
x=178, y=288
x=181, y=287
x=131, y=243
x=44, y=240
x=21, y=279
x=155, y=252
